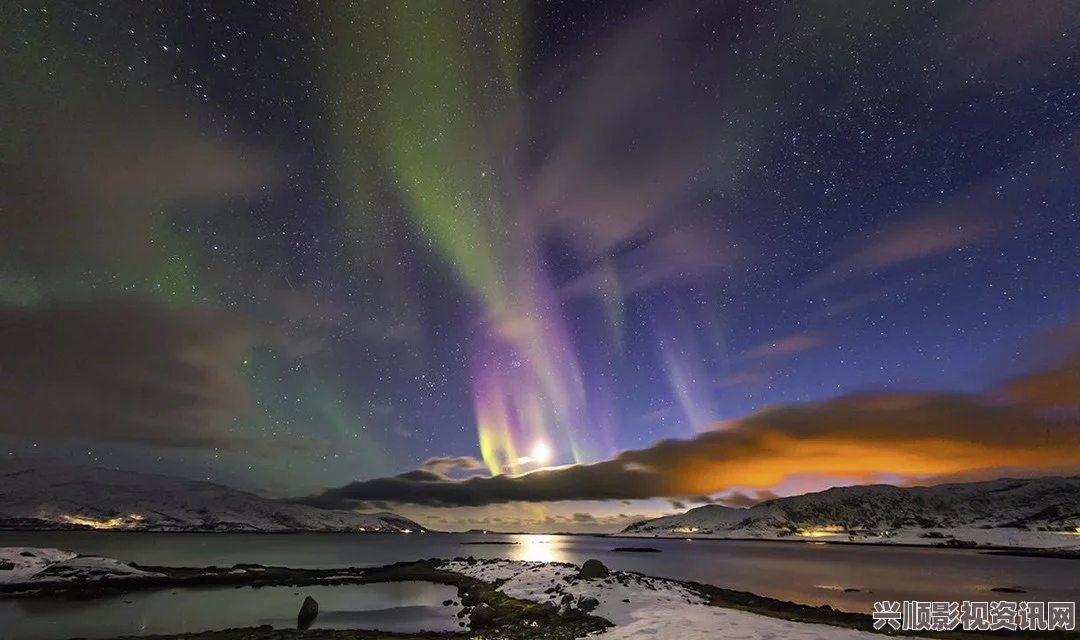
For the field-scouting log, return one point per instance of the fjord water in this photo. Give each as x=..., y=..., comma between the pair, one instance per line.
x=403, y=607
x=847, y=577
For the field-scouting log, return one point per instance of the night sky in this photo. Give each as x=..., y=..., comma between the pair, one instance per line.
x=287, y=246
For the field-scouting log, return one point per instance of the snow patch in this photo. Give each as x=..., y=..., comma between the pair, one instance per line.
x=28, y=565
x=543, y=582
x=21, y=564
x=701, y=622
x=644, y=607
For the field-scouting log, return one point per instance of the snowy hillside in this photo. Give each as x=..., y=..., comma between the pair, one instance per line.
x=1043, y=512
x=55, y=497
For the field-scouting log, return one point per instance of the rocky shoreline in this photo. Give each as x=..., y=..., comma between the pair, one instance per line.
x=487, y=613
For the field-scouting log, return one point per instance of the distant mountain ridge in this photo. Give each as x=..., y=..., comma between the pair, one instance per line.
x=81, y=497
x=1049, y=505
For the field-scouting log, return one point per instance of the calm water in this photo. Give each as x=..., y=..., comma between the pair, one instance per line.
x=801, y=572
x=405, y=607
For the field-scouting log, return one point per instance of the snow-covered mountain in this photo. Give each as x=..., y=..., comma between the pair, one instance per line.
x=60, y=497
x=882, y=512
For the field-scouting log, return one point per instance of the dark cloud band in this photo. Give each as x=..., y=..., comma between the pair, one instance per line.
x=123, y=370
x=857, y=436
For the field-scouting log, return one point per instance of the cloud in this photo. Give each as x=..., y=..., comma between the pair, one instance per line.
x=750, y=379
x=90, y=186
x=788, y=346
x=678, y=505
x=124, y=370
x=857, y=436
x=583, y=517
x=444, y=465
x=740, y=499
x=991, y=473
x=629, y=127
x=682, y=253
x=421, y=475
x=759, y=359
x=1065, y=337
x=576, y=482
x=1054, y=388
x=985, y=38
x=966, y=221
x=847, y=303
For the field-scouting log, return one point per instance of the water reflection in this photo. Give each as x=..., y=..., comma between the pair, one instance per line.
x=537, y=548
x=405, y=607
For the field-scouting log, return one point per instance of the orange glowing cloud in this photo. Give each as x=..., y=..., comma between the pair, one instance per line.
x=1028, y=427
x=1056, y=386
x=859, y=437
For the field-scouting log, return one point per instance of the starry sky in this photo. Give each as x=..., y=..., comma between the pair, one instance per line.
x=503, y=259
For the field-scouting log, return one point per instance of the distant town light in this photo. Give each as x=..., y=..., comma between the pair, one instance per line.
x=821, y=532
x=121, y=522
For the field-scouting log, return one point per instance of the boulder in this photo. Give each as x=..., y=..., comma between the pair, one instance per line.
x=308, y=612
x=1008, y=590
x=482, y=616
x=587, y=603
x=593, y=569
x=470, y=598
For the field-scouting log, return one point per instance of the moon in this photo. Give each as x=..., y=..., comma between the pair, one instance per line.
x=541, y=453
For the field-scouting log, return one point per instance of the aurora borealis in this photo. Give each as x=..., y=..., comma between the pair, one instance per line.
x=296, y=245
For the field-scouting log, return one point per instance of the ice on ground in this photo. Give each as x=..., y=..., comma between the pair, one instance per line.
x=620, y=594
x=702, y=622
x=20, y=565
x=644, y=607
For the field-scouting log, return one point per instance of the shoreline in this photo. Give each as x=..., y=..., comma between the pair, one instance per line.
x=848, y=543
x=515, y=618
x=933, y=543
x=1061, y=551
x=907, y=542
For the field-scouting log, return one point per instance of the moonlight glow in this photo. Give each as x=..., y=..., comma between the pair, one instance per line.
x=541, y=453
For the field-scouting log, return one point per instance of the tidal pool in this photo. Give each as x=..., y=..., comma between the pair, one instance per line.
x=396, y=606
